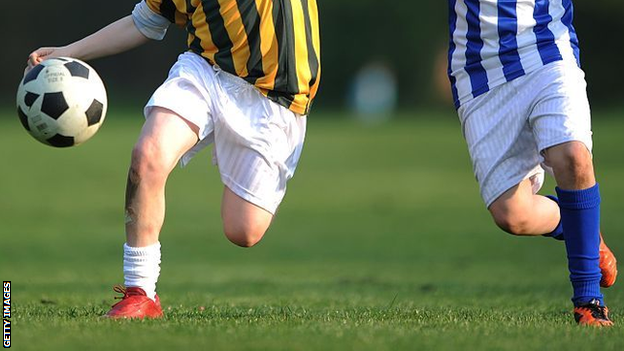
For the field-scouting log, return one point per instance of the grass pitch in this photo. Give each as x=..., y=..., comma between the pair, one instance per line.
x=382, y=243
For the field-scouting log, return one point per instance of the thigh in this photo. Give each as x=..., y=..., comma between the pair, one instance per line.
x=515, y=200
x=518, y=211
x=242, y=216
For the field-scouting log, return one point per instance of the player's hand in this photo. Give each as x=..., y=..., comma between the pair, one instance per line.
x=41, y=54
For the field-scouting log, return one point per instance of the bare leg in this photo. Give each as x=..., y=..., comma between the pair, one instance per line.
x=572, y=164
x=244, y=223
x=520, y=212
x=164, y=139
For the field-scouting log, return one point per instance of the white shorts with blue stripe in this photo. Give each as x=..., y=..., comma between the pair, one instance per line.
x=507, y=128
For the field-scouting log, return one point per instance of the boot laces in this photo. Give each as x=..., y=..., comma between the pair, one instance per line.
x=122, y=290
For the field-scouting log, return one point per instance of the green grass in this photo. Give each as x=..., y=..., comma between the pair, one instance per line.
x=382, y=243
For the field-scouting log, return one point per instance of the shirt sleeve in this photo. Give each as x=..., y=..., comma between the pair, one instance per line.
x=150, y=23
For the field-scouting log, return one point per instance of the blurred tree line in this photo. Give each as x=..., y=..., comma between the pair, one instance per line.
x=410, y=37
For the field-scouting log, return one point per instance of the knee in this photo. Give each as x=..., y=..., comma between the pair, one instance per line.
x=146, y=161
x=511, y=221
x=513, y=225
x=572, y=157
x=243, y=235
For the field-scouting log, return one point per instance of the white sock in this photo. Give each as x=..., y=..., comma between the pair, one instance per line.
x=142, y=267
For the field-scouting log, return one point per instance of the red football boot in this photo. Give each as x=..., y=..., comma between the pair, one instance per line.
x=608, y=265
x=134, y=304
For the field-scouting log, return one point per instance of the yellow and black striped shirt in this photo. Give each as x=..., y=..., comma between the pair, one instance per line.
x=272, y=44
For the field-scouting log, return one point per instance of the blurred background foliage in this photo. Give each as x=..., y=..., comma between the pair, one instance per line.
x=408, y=37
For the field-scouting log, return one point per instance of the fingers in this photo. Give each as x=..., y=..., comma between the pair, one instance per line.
x=38, y=56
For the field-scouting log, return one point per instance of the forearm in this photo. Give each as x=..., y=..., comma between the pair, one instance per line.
x=115, y=38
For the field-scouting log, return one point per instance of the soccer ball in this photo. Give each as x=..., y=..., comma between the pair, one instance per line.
x=61, y=102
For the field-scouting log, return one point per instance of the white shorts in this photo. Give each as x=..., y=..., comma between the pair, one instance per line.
x=508, y=128
x=257, y=143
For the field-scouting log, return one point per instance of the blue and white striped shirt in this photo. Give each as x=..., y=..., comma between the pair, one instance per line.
x=496, y=41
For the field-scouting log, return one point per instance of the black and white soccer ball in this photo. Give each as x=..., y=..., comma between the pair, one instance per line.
x=61, y=102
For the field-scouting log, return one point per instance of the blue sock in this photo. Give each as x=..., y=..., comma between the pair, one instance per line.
x=558, y=232
x=580, y=217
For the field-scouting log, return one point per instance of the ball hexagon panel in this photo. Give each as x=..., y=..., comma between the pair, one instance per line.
x=54, y=104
